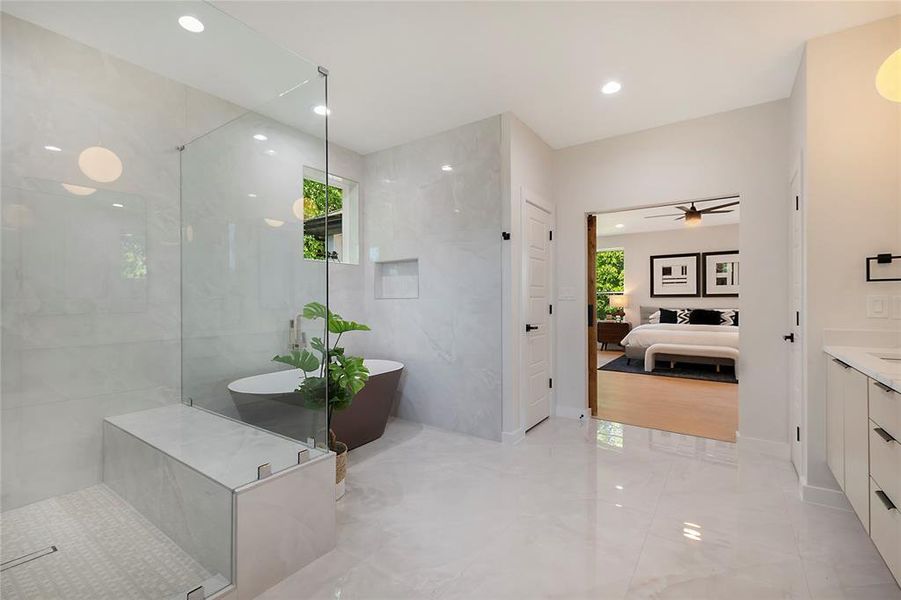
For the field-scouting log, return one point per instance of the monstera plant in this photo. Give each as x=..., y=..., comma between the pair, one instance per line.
x=329, y=370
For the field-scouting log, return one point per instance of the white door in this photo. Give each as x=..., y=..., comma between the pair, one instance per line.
x=796, y=291
x=537, y=228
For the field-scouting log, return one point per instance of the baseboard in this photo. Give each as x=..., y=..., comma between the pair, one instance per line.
x=570, y=412
x=513, y=437
x=781, y=450
x=824, y=496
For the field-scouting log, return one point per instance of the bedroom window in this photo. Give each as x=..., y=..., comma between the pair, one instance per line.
x=609, y=266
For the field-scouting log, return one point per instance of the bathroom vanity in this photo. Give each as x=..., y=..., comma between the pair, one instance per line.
x=863, y=440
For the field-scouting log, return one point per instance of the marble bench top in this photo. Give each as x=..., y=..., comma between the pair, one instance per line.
x=224, y=450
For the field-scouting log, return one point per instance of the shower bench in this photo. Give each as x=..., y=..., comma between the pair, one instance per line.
x=251, y=506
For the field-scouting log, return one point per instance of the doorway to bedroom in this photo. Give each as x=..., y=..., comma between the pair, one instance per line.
x=664, y=292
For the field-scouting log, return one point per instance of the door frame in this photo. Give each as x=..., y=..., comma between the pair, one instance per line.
x=588, y=300
x=527, y=197
x=798, y=438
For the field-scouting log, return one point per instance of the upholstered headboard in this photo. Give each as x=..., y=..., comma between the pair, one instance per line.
x=646, y=312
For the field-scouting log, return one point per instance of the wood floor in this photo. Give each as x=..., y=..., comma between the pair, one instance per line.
x=703, y=408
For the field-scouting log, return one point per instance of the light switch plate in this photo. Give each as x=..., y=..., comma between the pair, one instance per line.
x=896, y=307
x=878, y=307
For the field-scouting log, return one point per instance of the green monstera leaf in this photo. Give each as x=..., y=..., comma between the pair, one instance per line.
x=336, y=323
x=304, y=360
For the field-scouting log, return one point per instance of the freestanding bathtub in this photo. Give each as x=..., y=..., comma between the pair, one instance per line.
x=269, y=401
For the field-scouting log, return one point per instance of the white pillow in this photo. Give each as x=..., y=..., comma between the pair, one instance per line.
x=654, y=318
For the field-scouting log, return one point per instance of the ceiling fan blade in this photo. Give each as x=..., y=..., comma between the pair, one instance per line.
x=717, y=212
x=682, y=218
x=658, y=216
x=712, y=208
x=684, y=208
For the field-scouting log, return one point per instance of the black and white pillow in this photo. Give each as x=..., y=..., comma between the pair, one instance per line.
x=728, y=316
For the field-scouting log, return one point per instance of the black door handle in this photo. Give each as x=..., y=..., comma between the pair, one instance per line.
x=789, y=338
x=530, y=327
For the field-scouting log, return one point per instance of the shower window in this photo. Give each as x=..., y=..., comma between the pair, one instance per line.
x=335, y=237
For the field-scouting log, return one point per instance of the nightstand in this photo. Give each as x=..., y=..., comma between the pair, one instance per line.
x=611, y=332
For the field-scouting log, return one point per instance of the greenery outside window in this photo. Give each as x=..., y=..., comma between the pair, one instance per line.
x=609, y=268
x=335, y=238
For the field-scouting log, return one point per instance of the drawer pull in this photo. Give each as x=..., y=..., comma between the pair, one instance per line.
x=885, y=435
x=843, y=364
x=886, y=501
x=883, y=387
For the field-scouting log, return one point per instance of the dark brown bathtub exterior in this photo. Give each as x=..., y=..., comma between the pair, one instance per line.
x=368, y=414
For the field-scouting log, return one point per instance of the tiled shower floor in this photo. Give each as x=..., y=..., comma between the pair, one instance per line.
x=106, y=550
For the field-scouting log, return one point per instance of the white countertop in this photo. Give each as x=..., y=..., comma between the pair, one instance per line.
x=867, y=361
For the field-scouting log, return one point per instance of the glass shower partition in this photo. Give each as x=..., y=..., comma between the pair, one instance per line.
x=252, y=305
x=153, y=240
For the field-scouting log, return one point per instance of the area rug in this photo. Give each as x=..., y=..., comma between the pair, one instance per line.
x=682, y=370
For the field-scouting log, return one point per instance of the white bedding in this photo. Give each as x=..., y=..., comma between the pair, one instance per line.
x=644, y=336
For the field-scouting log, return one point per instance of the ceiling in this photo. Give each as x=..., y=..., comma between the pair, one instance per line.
x=636, y=221
x=404, y=70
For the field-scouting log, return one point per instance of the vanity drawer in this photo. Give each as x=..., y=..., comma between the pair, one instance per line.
x=885, y=461
x=885, y=408
x=885, y=528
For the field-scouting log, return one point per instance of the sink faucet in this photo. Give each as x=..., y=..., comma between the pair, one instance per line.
x=296, y=336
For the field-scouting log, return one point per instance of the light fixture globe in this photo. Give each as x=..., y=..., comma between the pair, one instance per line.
x=888, y=77
x=100, y=164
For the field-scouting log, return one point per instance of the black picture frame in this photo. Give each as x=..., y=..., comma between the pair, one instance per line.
x=707, y=293
x=697, y=284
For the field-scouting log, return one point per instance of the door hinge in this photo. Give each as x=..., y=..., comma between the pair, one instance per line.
x=550, y=309
x=797, y=203
x=797, y=318
x=550, y=383
x=505, y=235
x=550, y=235
x=798, y=434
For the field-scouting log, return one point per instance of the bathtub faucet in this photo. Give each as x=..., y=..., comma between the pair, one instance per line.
x=295, y=336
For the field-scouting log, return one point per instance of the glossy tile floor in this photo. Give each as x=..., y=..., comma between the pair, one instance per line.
x=583, y=510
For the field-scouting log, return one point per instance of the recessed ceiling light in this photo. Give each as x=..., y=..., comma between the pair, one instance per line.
x=78, y=190
x=270, y=152
x=322, y=110
x=446, y=168
x=619, y=225
x=117, y=205
x=251, y=195
x=190, y=23
x=611, y=87
x=888, y=76
x=53, y=148
x=260, y=137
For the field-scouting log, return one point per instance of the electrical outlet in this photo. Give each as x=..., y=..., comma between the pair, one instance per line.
x=878, y=307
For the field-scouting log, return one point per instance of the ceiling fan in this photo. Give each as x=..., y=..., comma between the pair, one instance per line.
x=692, y=215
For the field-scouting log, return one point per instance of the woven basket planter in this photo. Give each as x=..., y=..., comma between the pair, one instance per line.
x=340, y=468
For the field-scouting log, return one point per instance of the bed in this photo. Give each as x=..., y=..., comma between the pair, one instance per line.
x=692, y=337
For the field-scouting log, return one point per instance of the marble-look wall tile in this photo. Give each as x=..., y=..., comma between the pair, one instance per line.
x=283, y=524
x=449, y=337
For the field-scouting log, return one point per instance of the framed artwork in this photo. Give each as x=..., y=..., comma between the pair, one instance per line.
x=675, y=275
x=721, y=273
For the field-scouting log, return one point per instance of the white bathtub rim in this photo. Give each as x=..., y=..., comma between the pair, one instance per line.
x=285, y=382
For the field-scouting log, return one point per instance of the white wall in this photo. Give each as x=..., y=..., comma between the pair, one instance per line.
x=639, y=247
x=449, y=338
x=528, y=164
x=742, y=151
x=852, y=148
